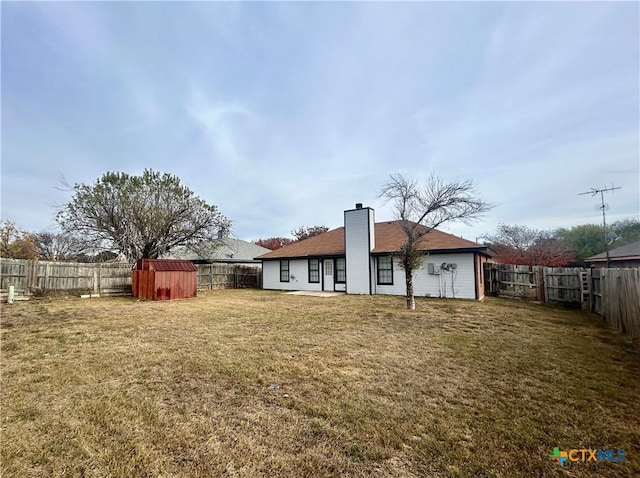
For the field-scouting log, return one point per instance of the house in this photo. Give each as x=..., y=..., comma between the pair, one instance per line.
x=623, y=256
x=224, y=249
x=360, y=258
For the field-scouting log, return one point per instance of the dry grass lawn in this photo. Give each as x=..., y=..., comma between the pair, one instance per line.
x=257, y=383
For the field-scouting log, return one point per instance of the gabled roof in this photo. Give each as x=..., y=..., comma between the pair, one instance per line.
x=389, y=236
x=222, y=250
x=628, y=251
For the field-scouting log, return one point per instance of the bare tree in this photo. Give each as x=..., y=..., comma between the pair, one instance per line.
x=58, y=246
x=139, y=216
x=516, y=244
x=423, y=208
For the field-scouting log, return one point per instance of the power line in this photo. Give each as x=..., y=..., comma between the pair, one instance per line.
x=593, y=192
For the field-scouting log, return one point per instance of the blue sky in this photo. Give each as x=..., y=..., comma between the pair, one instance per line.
x=286, y=114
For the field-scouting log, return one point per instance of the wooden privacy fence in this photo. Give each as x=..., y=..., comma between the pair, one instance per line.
x=616, y=296
x=51, y=277
x=561, y=285
x=611, y=293
x=228, y=276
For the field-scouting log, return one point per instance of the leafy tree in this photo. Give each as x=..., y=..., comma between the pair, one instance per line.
x=16, y=243
x=628, y=230
x=303, y=232
x=586, y=240
x=583, y=241
x=424, y=208
x=274, y=243
x=516, y=244
x=139, y=216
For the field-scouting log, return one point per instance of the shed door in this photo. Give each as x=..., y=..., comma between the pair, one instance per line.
x=327, y=268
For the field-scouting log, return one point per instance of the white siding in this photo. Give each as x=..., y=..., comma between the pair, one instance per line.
x=459, y=284
x=359, y=240
x=298, y=276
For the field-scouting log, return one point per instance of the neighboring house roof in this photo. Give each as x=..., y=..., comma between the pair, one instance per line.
x=389, y=236
x=626, y=252
x=222, y=250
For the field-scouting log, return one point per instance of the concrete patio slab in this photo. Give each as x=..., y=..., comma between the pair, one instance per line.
x=315, y=293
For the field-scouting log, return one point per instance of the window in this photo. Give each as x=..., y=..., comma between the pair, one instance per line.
x=314, y=270
x=284, y=271
x=385, y=270
x=341, y=270
x=328, y=267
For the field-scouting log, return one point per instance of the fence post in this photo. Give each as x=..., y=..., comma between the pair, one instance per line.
x=47, y=272
x=493, y=273
x=540, y=283
x=592, y=288
x=596, y=291
x=32, y=276
x=604, y=295
x=28, y=273
x=493, y=278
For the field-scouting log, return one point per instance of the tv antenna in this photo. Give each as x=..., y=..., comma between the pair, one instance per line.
x=603, y=207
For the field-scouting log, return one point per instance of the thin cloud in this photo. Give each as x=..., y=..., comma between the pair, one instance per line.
x=285, y=114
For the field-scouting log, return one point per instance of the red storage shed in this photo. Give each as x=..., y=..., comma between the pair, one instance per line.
x=164, y=279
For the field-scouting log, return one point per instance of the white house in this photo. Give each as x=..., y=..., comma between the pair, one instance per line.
x=360, y=258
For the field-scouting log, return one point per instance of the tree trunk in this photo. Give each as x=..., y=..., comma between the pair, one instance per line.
x=411, y=301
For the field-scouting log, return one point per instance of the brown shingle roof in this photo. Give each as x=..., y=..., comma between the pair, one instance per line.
x=326, y=244
x=628, y=251
x=389, y=238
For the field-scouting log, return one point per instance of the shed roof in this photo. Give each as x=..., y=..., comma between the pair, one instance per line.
x=165, y=265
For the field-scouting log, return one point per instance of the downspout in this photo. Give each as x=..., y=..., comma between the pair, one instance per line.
x=475, y=274
x=346, y=279
x=369, y=253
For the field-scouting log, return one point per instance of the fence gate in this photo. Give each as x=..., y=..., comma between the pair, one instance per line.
x=563, y=285
x=518, y=281
x=544, y=284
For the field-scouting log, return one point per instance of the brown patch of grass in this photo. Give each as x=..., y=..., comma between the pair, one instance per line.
x=253, y=383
